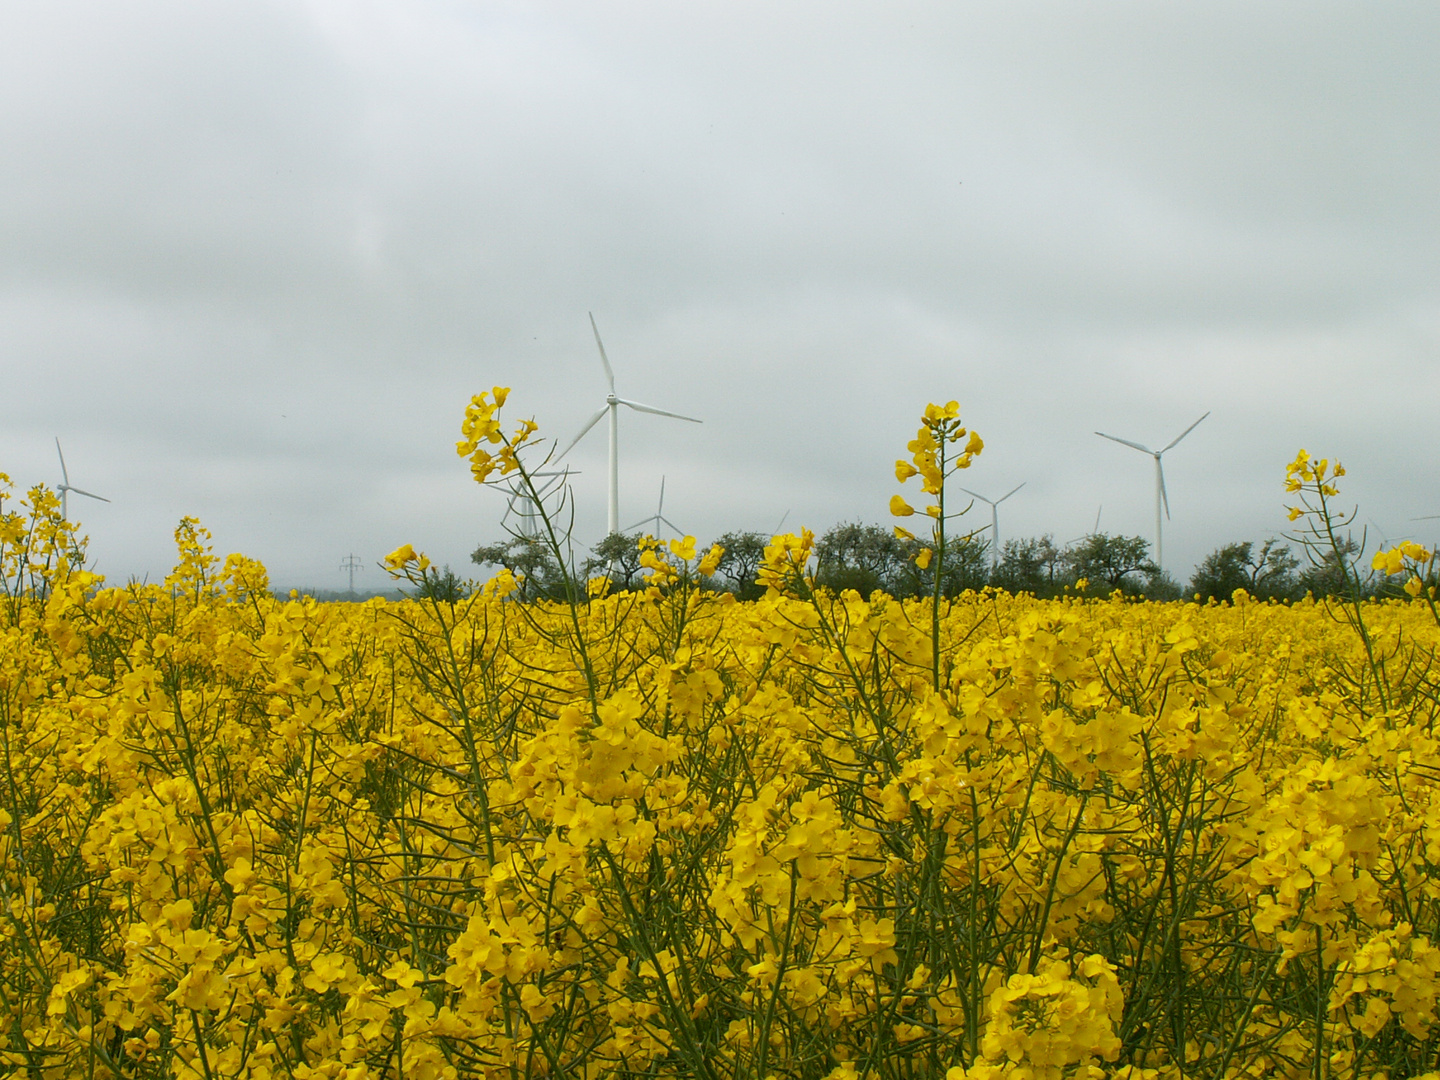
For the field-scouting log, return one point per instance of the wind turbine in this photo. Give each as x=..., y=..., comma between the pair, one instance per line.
x=994, y=521
x=1384, y=536
x=658, y=518
x=64, y=487
x=1161, y=497
x=612, y=406
x=522, y=504
x=1094, y=531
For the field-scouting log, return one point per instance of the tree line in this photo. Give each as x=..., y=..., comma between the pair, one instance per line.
x=870, y=558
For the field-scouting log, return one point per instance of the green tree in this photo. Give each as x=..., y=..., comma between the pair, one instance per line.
x=1267, y=574
x=1030, y=565
x=967, y=566
x=618, y=558
x=1161, y=586
x=1335, y=571
x=740, y=565
x=530, y=560
x=1111, y=562
x=868, y=558
x=442, y=584
x=865, y=558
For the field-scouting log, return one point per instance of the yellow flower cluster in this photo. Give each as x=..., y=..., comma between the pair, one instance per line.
x=664, y=833
x=1049, y=1025
x=1315, y=474
x=939, y=427
x=932, y=459
x=1414, y=560
x=481, y=426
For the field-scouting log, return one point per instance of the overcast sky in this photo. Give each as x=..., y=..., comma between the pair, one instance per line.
x=256, y=256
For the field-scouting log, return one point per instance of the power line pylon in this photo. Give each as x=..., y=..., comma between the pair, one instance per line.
x=352, y=563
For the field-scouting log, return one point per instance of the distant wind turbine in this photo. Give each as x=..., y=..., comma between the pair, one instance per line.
x=1094, y=531
x=522, y=503
x=612, y=406
x=65, y=487
x=658, y=518
x=994, y=521
x=1385, y=540
x=1161, y=497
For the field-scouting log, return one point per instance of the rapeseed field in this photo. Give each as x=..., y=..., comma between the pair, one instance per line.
x=663, y=833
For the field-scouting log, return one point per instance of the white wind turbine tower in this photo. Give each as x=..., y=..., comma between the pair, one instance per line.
x=994, y=521
x=612, y=406
x=1161, y=497
x=658, y=518
x=65, y=487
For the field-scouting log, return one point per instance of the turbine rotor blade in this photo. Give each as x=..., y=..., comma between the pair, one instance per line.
x=609, y=374
x=658, y=412
x=1125, y=442
x=1012, y=491
x=977, y=495
x=65, y=473
x=91, y=494
x=672, y=525
x=584, y=431
x=660, y=507
x=1187, y=431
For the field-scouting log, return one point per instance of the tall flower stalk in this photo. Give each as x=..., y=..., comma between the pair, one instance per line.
x=935, y=455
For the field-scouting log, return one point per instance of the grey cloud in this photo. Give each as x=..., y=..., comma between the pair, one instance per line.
x=255, y=257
